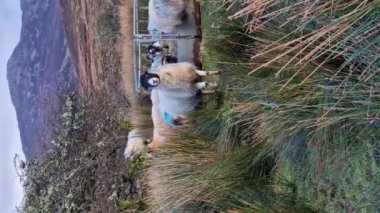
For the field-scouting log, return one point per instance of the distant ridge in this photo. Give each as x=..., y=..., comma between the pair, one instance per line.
x=40, y=73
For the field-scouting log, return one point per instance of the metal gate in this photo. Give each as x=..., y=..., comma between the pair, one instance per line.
x=142, y=37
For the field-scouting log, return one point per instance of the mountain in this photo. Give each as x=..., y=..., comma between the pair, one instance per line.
x=40, y=72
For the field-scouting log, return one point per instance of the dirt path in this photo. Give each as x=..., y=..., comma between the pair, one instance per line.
x=81, y=32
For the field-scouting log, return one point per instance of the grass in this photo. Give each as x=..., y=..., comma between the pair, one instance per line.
x=294, y=127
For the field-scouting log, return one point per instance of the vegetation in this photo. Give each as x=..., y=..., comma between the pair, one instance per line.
x=295, y=127
x=84, y=170
x=108, y=42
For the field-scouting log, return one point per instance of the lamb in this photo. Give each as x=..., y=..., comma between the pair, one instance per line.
x=158, y=47
x=160, y=53
x=160, y=60
x=165, y=15
x=136, y=143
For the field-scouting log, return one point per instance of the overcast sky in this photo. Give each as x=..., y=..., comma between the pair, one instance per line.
x=10, y=188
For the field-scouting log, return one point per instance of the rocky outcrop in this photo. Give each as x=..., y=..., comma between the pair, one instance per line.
x=41, y=73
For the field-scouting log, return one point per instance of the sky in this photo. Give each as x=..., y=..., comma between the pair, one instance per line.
x=10, y=188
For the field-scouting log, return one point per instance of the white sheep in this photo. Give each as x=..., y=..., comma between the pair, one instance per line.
x=160, y=127
x=163, y=121
x=136, y=143
x=177, y=92
x=165, y=15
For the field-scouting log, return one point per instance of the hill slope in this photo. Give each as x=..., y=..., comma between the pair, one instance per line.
x=40, y=73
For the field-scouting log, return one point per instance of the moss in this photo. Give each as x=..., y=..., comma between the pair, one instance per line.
x=137, y=164
x=129, y=206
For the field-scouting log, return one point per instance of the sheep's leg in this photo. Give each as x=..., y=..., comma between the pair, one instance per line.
x=206, y=92
x=203, y=85
x=212, y=85
x=206, y=73
x=206, y=88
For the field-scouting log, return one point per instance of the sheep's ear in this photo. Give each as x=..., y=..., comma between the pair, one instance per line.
x=149, y=58
x=143, y=78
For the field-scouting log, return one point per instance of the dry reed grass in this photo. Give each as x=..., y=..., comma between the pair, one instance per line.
x=326, y=31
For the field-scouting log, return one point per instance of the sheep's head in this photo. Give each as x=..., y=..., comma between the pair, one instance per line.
x=136, y=144
x=154, y=48
x=149, y=80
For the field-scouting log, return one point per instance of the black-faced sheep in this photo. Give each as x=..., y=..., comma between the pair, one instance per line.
x=160, y=53
x=181, y=80
x=158, y=47
x=165, y=15
x=177, y=90
x=160, y=60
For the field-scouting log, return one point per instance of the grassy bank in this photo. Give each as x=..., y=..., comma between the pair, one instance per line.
x=294, y=126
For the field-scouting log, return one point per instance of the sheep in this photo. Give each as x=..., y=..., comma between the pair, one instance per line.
x=163, y=121
x=160, y=53
x=160, y=60
x=159, y=125
x=136, y=143
x=176, y=93
x=160, y=47
x=181, y=80
x=165, y=15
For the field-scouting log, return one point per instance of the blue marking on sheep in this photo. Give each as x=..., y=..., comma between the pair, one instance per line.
x=134, y=137
x=168, y=118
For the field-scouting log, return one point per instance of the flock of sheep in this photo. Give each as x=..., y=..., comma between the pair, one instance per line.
x=176, y=87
